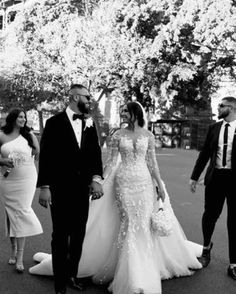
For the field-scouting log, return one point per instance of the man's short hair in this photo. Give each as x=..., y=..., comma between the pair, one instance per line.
x=77, y=86
x=230, y=99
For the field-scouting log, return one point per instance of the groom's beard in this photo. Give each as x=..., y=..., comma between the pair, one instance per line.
x=83, y=108
x=223, y=114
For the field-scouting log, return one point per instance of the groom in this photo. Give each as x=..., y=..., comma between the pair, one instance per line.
x=70, y=167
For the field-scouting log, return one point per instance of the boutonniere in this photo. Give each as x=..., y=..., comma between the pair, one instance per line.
x=88, y=123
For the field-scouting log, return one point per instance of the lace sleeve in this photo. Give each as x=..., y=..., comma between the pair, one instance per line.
x=151, y=160
x=112, y=155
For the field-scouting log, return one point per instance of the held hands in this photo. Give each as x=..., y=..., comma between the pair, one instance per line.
x=96, y=190
x=45, y=197
x=193, y=185
x=160, y=193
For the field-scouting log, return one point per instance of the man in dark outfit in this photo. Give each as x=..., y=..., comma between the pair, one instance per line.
x=70, y=166
x=220, y=149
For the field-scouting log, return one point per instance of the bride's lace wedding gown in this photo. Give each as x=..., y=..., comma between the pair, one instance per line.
x=119, y=243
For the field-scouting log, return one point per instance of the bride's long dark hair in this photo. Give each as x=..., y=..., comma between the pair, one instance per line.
x=136, y=112
x=10, y=124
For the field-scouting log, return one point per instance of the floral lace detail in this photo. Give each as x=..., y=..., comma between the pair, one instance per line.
x=134, y=188
x=151, y=156
x=134, y=219
x=133, y=152
x=135, y=194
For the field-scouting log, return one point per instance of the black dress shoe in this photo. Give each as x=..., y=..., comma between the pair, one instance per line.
x=206, y=256
x=232, y=272
x=76, y=284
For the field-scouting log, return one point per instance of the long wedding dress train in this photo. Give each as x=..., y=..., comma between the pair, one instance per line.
x=119, y=245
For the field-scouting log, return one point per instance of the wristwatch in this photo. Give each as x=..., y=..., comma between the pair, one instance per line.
x=45, y=187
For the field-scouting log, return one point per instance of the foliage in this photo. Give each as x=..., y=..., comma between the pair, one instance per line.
x=181, y=49
x=166, y=53
x=40, y=31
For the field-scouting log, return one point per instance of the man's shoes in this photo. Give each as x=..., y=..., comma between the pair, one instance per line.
x=206, y=256
x=232, y=272
x=76, y=284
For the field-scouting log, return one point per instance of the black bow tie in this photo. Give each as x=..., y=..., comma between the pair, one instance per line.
x=77, y=116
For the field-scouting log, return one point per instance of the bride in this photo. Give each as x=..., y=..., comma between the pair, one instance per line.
x=120, y=246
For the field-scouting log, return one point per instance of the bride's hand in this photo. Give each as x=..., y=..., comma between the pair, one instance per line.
x=161, y=193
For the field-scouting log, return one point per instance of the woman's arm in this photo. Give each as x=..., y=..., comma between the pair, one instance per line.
x=153, y=166
x=112, y=156
x=8, y=162
x=35, y=151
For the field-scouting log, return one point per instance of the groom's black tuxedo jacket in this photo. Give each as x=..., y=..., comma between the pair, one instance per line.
x=62, y=162
x=209, y=152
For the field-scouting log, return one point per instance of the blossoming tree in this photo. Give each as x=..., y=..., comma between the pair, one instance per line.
x=166, y=53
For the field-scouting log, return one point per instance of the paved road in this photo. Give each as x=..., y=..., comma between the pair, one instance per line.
x=176, y=166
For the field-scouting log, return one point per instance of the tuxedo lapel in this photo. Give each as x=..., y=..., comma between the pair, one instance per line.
x=83, y=133
x=233, y=149
x=234, y=140
x=69, y=131
x=216, y=134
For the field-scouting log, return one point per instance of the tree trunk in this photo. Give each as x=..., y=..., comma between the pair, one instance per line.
x=95, y=118
x=40, y=114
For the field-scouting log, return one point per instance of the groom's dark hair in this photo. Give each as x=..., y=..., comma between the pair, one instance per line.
x=75, y=86
x=79, y=86
x=230, y=99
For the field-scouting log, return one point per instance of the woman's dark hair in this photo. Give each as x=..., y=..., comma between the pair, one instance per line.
x=136, y=113
x=10, y=123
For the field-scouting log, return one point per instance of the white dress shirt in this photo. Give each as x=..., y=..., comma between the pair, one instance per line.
x=231, y=133
x=76, y=125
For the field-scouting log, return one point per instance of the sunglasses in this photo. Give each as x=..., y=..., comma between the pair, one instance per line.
x=224, y=105
x=88, y=97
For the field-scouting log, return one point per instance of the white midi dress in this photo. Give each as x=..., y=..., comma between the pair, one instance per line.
x=18, y=188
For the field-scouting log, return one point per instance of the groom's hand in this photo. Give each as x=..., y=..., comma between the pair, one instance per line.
x=45, y=197
x=97, y=191
x=192, y=185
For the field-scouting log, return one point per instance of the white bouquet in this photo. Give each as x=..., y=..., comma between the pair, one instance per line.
x=161, y=220
x=18, y=159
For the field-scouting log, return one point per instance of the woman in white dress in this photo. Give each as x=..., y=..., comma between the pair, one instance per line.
x=120, y=246
x=19, y=147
